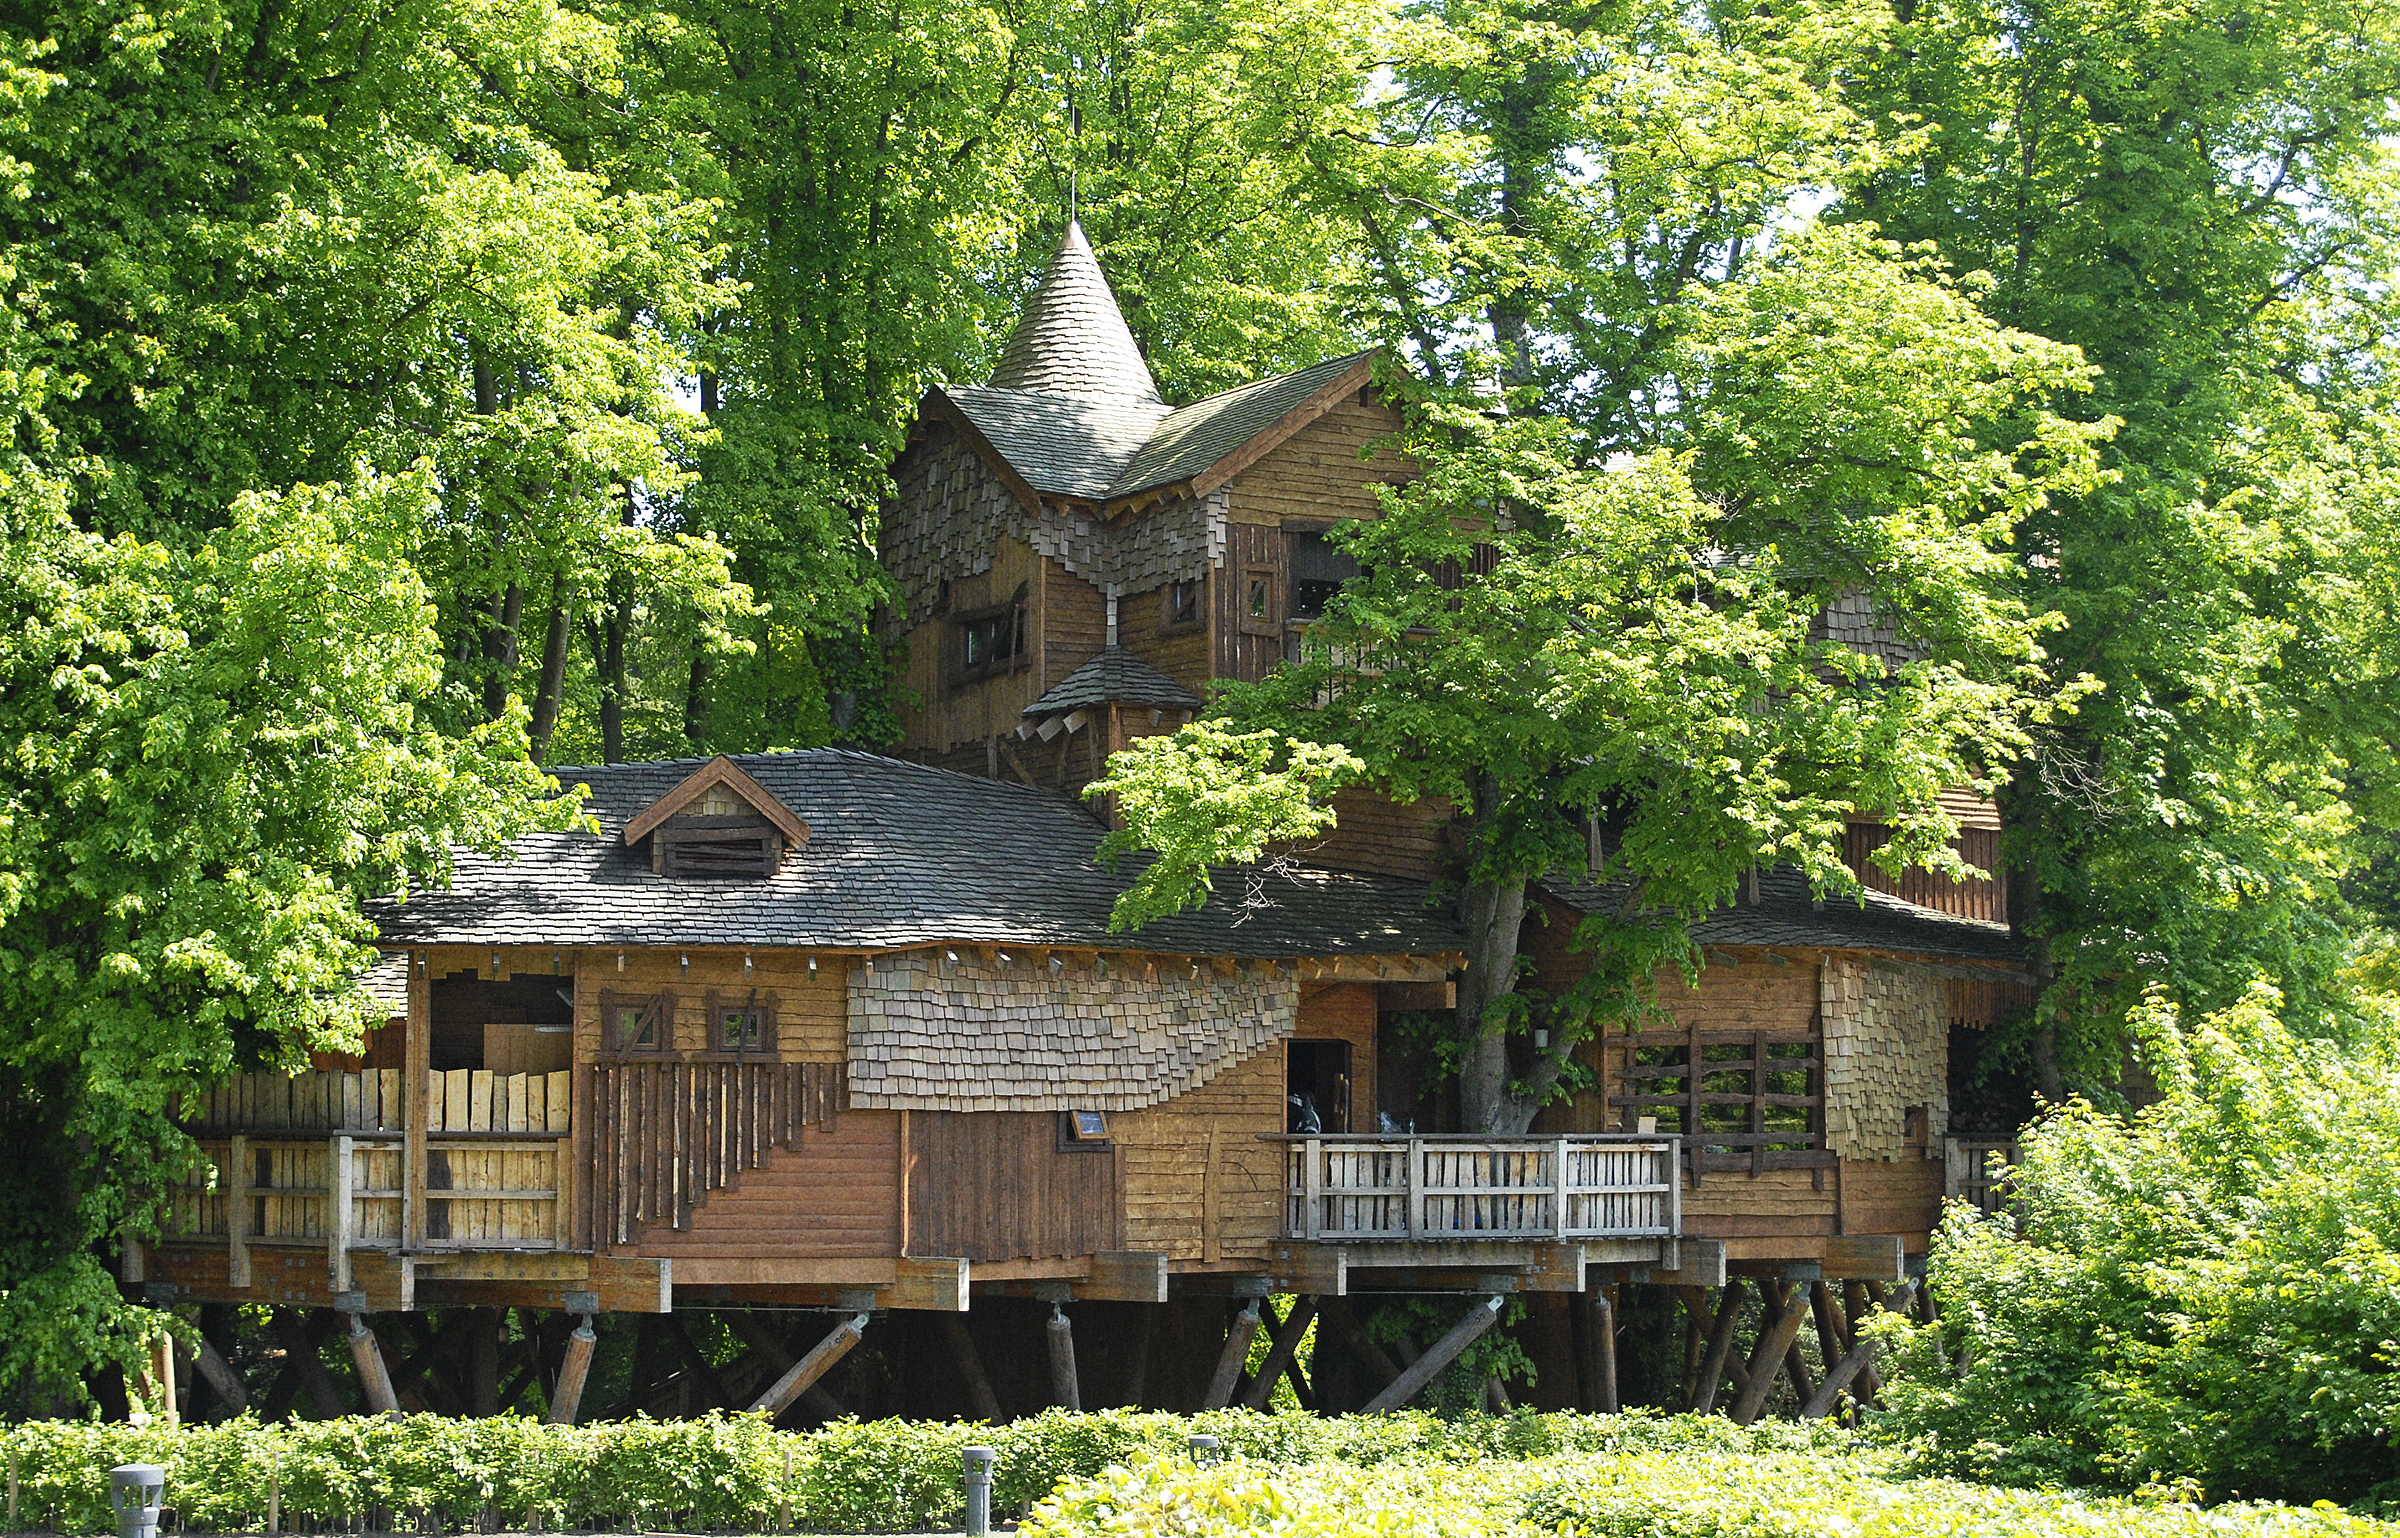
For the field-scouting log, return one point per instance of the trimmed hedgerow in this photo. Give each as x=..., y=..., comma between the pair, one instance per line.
x=1115, y=1471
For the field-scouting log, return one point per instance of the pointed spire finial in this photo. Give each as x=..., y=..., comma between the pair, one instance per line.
x=1072, y=338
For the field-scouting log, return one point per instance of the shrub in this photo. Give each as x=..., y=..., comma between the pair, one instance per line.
x=2204, y=1298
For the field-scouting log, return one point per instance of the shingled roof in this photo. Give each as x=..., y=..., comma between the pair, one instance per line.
x=1115, y=676
x=1072, y=410
x=899, y=855
x=1072, y=338
x=1787, y=915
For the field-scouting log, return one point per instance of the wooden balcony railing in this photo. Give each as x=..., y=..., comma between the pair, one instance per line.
x=1346, y=1188
x=319, y=1158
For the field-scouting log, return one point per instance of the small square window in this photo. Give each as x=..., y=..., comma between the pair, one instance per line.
x=636, y=1022
x=741, y=1029
x=1262, y=595
x=1183, y=603
x=1082, y=1129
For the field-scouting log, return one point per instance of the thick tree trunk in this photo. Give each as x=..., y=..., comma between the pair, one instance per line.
x=612, y=675
x=554, y=671
x=500, y=650
x=695, y=698
x=1494, y=915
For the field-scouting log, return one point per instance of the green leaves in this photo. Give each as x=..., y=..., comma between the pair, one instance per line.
x=1206, y=798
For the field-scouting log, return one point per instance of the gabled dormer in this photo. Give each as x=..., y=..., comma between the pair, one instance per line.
x=719, y=823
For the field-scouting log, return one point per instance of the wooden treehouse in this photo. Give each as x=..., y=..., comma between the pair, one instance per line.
x=834, y=1031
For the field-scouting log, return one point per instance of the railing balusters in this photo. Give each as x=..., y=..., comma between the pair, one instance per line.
x=1347, y=1187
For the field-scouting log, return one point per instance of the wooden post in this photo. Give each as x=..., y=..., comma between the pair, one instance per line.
x=343, y=1211
x=275, y=1496
x=1720, y=1345
x=221, y=1377
x=970, y=1366
x=237, y=1212
x=810, y=1368
x=416, y=1113
x=1233, y=1358
x=483, y=1362
x=300, y=1355
x=573, y=1370
x=1766, y=1362
x=1336, y=1313
x=1279, y=1352
x=162, y=1377
x=1837, y=1378
x=1443, y=1352
x=1602, y=1334
x=1065, y=1391
x=374, y=1379
x=1137, y=1354
x=1831, y=1344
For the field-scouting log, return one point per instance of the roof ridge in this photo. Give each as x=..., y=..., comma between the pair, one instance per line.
x=1268, y=379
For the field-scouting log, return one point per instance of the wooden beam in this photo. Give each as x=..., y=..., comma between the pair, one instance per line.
x=1698, y=1263
x=221, y=1377
x=1443, y=1352
x=810, y=1368
x=1346, y=1329
x=938, y=1283
x=955, y=1335
x=1233, y=1358
x=1766, y=1362
x=1865, y=1258
x=762, y=1341
x=1837, y=1378
x=300, y=1338
x=1720, y=1345
x=1601, y=1359
x=1126, y=1276
x=1280, y=1351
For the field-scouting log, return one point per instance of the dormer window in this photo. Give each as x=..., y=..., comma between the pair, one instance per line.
x=718, y=824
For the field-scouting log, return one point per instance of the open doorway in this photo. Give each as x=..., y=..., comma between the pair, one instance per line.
x=1318, y=1087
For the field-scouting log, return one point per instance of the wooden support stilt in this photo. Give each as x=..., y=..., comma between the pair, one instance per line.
x=1441, y=1354
x=1854, y=1307
x=1233, y=1358
x=1336, y=1313
x=1703, y=1328
x=696, y=1365
x=300, y=1340
x=574, y=1370
x=970, y=1367
x=810, y=1368
x=483, y=1362
x=1766, y=1363
x=1065, y=1391
x=221, y=1377
x=1720, y=1346
x=162, y=1377
x=761, y=1340
x=374, y=1381
x=1302, y=1389
x=1601, y=1331
x=1286, y=1341
x=1137, y=1354
x=1831, y=1346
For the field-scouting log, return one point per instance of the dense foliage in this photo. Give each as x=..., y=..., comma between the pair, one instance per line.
x=2205, y=1298
x=1109, y=1472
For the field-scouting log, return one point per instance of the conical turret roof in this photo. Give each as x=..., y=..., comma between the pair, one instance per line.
x=1072, y=339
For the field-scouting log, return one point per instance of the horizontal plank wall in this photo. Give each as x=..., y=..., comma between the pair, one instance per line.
x=996, y=1185
x=1179, y=651
x=1901, y=1196
x=1372, y=832
x=835, y=1196
x=1346, y=1012
x=948, y=711
x=1317, y=472
x=810, y=1012
x=1200, y=1184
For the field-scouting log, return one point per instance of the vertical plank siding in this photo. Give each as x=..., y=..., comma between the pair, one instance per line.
x=670, y=1134
x=995, y=1185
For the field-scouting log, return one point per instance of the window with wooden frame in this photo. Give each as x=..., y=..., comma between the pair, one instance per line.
x=1184, y=602
x=1261, y=614
x=1748, y=1101
x=991, y=639
x=1080, y=1130
x=741, y=1023
x=1319, y=569
x=637, y=1022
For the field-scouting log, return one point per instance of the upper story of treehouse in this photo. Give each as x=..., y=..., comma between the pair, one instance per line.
x=1079, y=559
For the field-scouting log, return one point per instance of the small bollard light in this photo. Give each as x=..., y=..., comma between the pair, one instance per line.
x=134, y=1492
x=979, y=1491
x=1206, y=1450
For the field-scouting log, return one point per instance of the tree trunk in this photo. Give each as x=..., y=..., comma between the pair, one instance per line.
x=612, y=674
x=695, y=698
x=500, y=650
x=1494, y=916
x=554, y=671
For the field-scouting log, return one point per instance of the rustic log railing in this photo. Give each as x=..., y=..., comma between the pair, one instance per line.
x=1367, y=1187
x=665, y=1134
x=1740, y=1100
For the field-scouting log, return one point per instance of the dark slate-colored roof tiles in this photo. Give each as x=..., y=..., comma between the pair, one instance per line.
x=1787, y=915
x=1072, y=338
x=1068, y=445
x=1196, y=437
x=1119, y=677
x=899, y=855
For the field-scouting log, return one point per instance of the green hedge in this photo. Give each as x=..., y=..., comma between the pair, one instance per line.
x=721, y=1473
x=1661, y=1490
